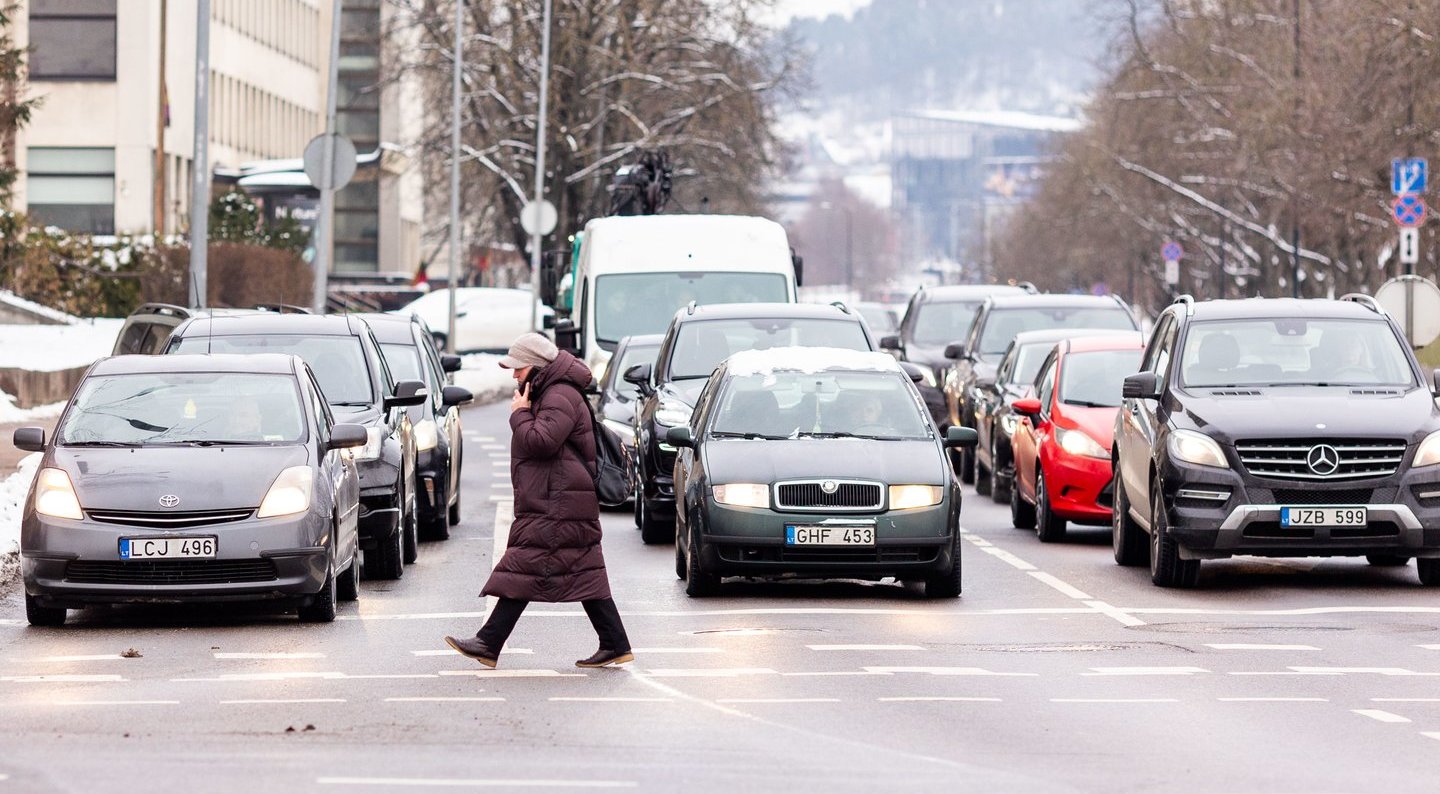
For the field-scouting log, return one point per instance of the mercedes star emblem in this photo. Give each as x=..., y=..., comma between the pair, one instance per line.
x=169, y=500
x=1323, y=460
x=829, y=486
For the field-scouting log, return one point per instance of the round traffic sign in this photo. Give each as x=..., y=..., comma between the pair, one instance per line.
x=1172, y=252
x=1396, y=296
x=1408, y=210
x=538, y=218
x=344, y=156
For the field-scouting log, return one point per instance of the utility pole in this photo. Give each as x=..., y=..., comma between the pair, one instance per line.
x=161, y=115
x=535, y=237
x=1295, y=187
x=325, y=224
x=200, y=185
x=453, y=280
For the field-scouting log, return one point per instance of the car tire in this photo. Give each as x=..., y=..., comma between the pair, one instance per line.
x=1166, y=567
x=1049, y=527
x=322, y=606
x=680, y=562
x=652, y=531
x=388, y=561
x=43, y=616
x=1387, y=560
x=348, y=586
x=454, y=510
x=947, y=584
x=1022, y=513
x=1127, y=539
x=1429, y=570
x=999, y=485
x=437, y=527
x=983, y=481
x=967, y=466
x=699, y=583
x=410, y=521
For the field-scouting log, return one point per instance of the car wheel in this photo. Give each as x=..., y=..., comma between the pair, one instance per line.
x=1022, y=513
x=410, y=520
x=1166, y=567
x=947, y=584
x=699, y=583
x=454, y=509
x=652, y=530
x=1387, y=560
x=437, y=526
x=1429, y=570
x=348, y=586
x=388, y=561
x=1127, y=539
x=38, y=615
x=1049, y=527
x=680, y=562
x=321, y=608
x=999, y=485
x=982, y=477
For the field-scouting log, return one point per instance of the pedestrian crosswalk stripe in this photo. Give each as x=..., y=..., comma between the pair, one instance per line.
x=275, y=656
x=1104, y=671
x=394, y=782
x=865, y=647
x=738, y=701
x=446, y=700
x=1380, y=716
x=937, y=699
x=279, y=702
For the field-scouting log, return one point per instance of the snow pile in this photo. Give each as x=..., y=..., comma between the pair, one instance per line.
x=11, y=299
x=484, y=377
x=10, y=415
x=48, y=348
x=13, y=492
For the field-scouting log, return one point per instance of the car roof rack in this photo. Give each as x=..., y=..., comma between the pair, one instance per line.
x=1188, y=300
x=168, y=309
x=282, y=308
x=690, y=308
x=841, y=306
x=1367, y=301
x=1028, y=287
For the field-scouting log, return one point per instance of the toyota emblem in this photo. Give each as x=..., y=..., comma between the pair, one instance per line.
x=169, y=500
x=829, y=486
x=1323, y=460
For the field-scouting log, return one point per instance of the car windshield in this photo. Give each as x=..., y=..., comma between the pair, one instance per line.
x=185, y=408
x=881, y=319
x=1028, y=360
x=628, y=304
x=1294, y=352
x=404, y=361
x=338, y=361
x=1094, y=379
x=703, y=345
x=825, y=404
x=1003, y=324
x=634, y=354
x=943, y=323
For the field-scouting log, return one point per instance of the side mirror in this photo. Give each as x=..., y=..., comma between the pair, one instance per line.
x=1027, y=406
x=347, y=436
x=957, y=436
x=30, y=439
x=450, y=363
x=1141, y=386
x=680, y=437
x=639, y=376
x=1437, y=382
x=548, y=322
x=454, y=395
x=955, y=351
x=407, y=393
x=890, y=343
x=914, y=371
x=798, y=262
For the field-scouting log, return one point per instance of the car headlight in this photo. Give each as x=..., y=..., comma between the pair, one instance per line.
x=928, y=376
x=427, y=435
x=55, y=496
x=374, y=440
x=1197, y=448
x=743, y=494
x=1429, y=452
x=624, y=430
x=289, y=494
x=909, y=497
x=1078, y=443
x=1008, y=423
x=672, y=413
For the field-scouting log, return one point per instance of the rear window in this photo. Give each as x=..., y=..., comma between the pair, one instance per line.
x=1003, y=325
x=943, y=323
x=703, y=345
x=1095, y=379
x=338, y=361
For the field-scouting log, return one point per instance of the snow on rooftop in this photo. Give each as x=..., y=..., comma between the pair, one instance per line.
x=1003, y=118
x=11, y=299
x=13, y=492
x=808, y=359
x=48, y=348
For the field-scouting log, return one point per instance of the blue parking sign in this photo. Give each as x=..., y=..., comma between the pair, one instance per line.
x=1408, y=175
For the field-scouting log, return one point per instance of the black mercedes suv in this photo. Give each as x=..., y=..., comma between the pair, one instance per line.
x=1281, y=428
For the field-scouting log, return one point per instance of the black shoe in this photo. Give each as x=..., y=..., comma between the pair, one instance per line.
x=605, y=658
x=475, y=649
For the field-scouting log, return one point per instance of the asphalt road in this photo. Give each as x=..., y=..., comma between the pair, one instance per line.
x=1056, y=671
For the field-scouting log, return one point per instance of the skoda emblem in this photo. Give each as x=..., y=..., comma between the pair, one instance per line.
x=1323, y=460
x=829, y=486
x=169, y=500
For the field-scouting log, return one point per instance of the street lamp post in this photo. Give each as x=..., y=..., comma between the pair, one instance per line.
x=455, y=174
x=535, y=235
x=200, y=186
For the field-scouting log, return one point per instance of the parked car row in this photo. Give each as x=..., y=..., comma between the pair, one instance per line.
x=269, y=454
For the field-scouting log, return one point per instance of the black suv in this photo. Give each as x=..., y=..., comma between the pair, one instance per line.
x=1281, y=428
x=935, y=317
x=1000, y=318
x=698, y=340
x=358, y=385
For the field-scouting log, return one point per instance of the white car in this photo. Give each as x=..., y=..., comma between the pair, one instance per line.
x=487, y=319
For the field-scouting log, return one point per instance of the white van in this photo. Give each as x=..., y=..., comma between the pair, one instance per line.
x=632, y=274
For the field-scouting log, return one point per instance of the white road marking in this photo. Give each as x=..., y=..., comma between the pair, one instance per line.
x=296, y=655
x=710, y=613
x=739, y=701
x=676, y=650
x=279, y=702
x=1247, y=646
x=937, y=699
x=95, y=657
x=446, y=700
x=1405, y=700
x=1117, y=671
x=1430, y=734
x=831, y=673
x=500, y=535
x=492, y=446
x=386, y=676
x=1123, y=616
x=1062, y=586
x=453, y=652
x=980, y=671
x=1431, y=647
x=1380, y=716
x=473, y=783
x=507, y=497
x=1355, y=610
x=1395, y=671
x=491, y=673
x=246, y=677
x=115, y=702
x=611, y=700
x=1274, y=700
x=60, y=679
x=865, y=647
x=1114, y=700
x=1007, y=558
x=715, y=672
x=483, y=439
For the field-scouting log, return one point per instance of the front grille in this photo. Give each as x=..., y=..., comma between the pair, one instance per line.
x=169, y=519
x=1289, y=459
x=866, y=554
x=1273, y=530
x=170, y=572
x=811, y=495
x=1342, y=496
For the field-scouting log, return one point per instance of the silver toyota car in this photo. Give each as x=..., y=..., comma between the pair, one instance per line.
x=192, y=478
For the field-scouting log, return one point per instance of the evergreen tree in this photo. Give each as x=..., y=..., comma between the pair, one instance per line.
x=15, y=107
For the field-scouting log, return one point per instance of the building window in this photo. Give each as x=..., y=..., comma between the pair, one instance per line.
x=72, y=39
x=73, y=189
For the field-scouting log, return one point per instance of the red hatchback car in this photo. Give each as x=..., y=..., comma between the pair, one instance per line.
x=1063, y=439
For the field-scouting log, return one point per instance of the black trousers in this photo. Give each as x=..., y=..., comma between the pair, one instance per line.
x=603, y=614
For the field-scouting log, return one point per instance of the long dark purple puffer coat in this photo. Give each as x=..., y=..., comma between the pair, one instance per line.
x=554, y=549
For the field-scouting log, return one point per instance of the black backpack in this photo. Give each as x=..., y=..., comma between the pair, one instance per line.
x=613, y=469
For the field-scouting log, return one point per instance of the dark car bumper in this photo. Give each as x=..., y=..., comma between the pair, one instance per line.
x=1220, y=512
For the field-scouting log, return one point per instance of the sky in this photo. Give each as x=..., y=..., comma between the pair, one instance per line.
x=816, y=8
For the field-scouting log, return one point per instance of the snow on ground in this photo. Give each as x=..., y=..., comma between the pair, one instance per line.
x=483, y=376
x=11, y=299
x=47, y=348
x=13, y=491
x=10, y=415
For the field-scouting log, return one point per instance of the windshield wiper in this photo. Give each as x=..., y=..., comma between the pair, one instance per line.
x=97, y=444
x=208, y=442
x=1090, y=404
x=748, y=436
x=353, y=404
x=840, y=434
